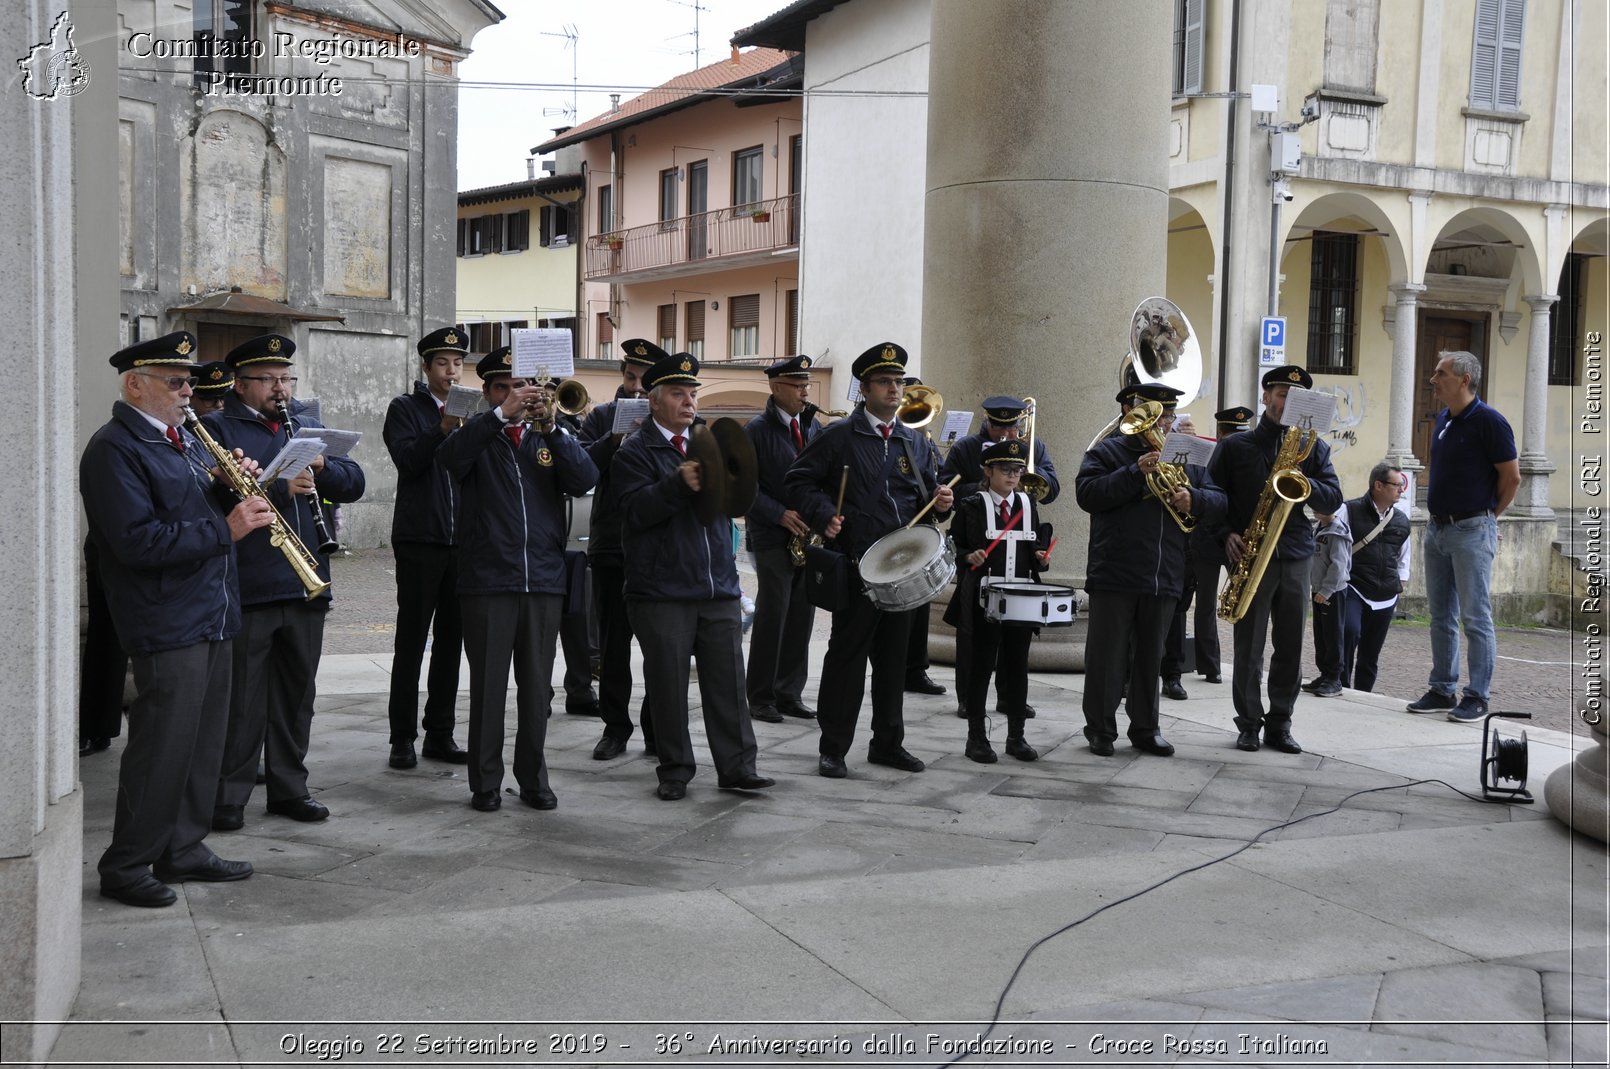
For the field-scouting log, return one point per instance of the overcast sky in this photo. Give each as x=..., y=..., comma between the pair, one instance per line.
x=621, y=45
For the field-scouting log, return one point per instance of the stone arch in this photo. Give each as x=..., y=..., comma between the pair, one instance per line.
x=233, y=207
x=1346, y=211
x=1193, y=253
x=1490, y=242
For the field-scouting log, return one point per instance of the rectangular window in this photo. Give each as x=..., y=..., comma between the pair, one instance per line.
x=696, y=328
x=485, y=235
x=605, y=332
x=668, y=327
x=743, y=322
x=554, y=222
x=463, y=236
x=1565, y=319
x=746, y=174
x=1495, y=61
x=791, y=338
x=606, y=209
x=1332, y=303
x=221, y=26
x=519, y=231
x=668, y=196
x=1189, y=33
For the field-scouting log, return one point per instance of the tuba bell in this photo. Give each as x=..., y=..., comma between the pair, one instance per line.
x=1163, y=349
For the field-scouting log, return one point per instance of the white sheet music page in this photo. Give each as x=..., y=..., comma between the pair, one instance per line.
x=542, y=349
x=957, y=426
x=292, y=460
x=462, y=401
x=1186, y=449
x=336, y=443
x=630, y=412
x=1309, y=409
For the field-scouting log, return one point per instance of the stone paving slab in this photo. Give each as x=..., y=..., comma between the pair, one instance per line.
x=1471, y=1003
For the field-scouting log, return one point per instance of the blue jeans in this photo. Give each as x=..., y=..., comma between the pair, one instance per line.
x=1459, y=567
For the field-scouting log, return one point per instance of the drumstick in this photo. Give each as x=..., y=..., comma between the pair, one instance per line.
x=930, y=505
x=1049, y=548
x=1011, y=523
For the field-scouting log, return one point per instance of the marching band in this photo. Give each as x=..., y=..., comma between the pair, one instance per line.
x=218, y=587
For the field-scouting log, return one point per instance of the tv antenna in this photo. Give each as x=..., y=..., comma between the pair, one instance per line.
x=697, y=7
x=568, y=32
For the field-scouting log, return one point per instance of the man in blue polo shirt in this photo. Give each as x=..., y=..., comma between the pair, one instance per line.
x=1473, y=478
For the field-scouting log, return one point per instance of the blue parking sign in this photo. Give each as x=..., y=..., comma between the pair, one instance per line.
x=1272, y=341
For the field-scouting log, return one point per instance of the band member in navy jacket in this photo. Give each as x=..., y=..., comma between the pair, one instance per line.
x=605, y=558
x=682, y=589
x=165, y=545
x=282, y=632
x=893, y=474
x=514, y=466
x=424, y=535
x=780, y=639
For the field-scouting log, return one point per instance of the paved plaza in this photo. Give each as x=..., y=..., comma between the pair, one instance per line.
x=876, y=920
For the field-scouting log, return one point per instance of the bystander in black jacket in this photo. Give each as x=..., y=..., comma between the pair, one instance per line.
x=427, y=500
x=1240, y=466
x=670, y=555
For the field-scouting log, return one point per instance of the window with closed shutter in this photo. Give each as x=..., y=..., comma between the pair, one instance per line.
x=545, y=225
x=696, y=328
x=519, y=224
x=605, y=332
x=1564, y=322
x=463, y=236
x=1189, y=34
x=668, y=327
x=791, y=339
x=1495, y=62
x=743, y=324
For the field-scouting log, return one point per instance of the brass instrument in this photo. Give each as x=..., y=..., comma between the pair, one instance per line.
x=570, y=396
x=1036, y=486
x=280, y=535
x=1168, y=479
x=919, y=406
x=1162, y=349
x=1286, y=487
x=798, y=543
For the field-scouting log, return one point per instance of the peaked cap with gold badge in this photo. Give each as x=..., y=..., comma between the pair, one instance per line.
x=448, y=340
x=642, y=352
x=499, y=361
x=263, y=349
x=1288, y=375
x=682, y=368
x=171, y=350
x=215, y=378
x=884, y=356
x=1006, y=451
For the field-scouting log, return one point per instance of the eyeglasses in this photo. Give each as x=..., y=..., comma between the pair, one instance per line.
x=277, y=380
x=172, y=382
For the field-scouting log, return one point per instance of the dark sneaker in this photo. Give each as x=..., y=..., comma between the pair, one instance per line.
x=1469, y=710
x=1324, y=688
x=1433, y=701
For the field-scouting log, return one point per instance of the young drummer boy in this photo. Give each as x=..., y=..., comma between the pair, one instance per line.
x=979, y=519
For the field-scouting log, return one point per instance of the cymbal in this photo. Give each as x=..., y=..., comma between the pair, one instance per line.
x=740, y=463
x=709, y=503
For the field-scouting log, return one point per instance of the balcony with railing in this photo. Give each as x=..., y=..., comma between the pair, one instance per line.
x=718, y=240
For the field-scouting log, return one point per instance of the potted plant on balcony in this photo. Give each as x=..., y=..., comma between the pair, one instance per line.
x=760, y=215
x=613, y=242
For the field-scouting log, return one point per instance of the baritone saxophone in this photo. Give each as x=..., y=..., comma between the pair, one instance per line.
x=1285, y=488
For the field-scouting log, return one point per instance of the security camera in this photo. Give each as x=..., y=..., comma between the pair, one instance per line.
x=1310, y=112
x=1281, y=191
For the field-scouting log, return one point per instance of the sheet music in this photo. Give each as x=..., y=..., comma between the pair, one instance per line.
x=1186, y=449
x=630, y=412
x=292, y=460
x=957, y=425
x=542, y=349
x=1309, y=409
x=462, y=401
x=336, y=443
x=855, y=392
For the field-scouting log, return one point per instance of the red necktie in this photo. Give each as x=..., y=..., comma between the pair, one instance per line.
x=884, y=427
x=793, y=425
x=173, y=436
x=677, y=440
x=515, y=432
x=273, y=425
x=1006, y=512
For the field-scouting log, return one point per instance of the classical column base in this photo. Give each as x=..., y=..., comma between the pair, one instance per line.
x=42, y=901
x=1532, y=499
x=1578, y=794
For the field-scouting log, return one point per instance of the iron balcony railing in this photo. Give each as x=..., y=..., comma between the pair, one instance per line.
x=758, y=228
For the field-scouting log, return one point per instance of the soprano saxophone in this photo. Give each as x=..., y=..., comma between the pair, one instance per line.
x=280, y=535
x=1285, y=488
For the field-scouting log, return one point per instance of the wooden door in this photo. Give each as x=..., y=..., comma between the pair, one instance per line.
x=1438, y=334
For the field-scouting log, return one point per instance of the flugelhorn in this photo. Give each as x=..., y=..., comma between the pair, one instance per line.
x=1169, y=478
x=280, y=535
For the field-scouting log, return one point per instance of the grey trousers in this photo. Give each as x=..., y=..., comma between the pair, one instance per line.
x=169, y=775
x=780, y=638
x=1281, y=601
x=500, y=629
x=271, y=701
x=672, y=633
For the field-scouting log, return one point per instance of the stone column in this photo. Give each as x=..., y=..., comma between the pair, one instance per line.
x=1046, y=212
x=1532, y=500
x=1576, y=793
x=1405, y=334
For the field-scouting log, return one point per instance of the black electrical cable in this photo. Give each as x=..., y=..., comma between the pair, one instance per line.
x=1000, y=1002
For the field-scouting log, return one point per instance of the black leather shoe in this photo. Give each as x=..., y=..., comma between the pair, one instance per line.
x=796, y=709
x=1153, y=744
x=539, y=798
x=1021, y=750
x=1212, y=677
x=671, y=791
x=766, y=713
x=591, y=708
x=752, y=782
x=403, y=756
x=146, y=891
x=486, y=801
x=895, y=758
x=831, y=767
x=228, y=817
x=304, y=809
x=1247, y=740
x=214, y=870
x=978, y=749
x=923, y=684
x=1281, y=740
x=441, y=747
x=1101, y=747
x=1174, y=690
x=1027, y=714
x=609, y=748
x=93, y=745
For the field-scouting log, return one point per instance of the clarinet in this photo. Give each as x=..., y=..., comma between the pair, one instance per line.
x=327, y=545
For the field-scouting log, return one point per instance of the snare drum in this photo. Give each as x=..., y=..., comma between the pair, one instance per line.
x=908, y=568
x=1021, y=604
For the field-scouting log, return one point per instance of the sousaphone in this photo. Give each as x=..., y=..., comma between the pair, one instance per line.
x=1162, y=349
x=729, y=472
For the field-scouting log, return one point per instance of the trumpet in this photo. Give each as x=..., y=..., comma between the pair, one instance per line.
x=1168, y=478
x=280, y=535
